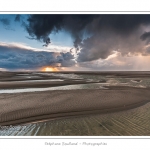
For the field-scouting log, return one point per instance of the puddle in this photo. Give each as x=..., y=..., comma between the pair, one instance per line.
x=67, y=87
x=136, y=81
x=53, y=80
x=28, y=76
x=68, y=76
x=23, y=74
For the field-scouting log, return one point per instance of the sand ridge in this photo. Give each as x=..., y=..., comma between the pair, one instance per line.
x=27, y=107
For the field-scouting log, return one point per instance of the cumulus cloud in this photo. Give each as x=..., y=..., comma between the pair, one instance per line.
x=17, y=56
x=117, y=62
x=17, y=18
x=41, y=26
x=145, y=37
x=106, y=33
x=103, y=44
x=96, y=37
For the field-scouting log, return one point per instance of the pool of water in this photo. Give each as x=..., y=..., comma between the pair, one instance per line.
x=66, y=87
x=61, y=75
x=110, y=80
x=103, y=81
x=51, y=80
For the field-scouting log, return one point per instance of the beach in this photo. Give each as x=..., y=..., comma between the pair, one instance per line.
x=36, y=107
x=28, y=107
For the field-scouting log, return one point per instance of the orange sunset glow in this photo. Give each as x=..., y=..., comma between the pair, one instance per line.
x=49, y=69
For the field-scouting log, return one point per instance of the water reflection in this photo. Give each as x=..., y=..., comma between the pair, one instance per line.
x=51, y=80
x=66, y=87
x=111, y=80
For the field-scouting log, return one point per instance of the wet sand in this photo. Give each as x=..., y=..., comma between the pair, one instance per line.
x=118, y=102
x=13, y=80
x=31, y=107
x=27, y=84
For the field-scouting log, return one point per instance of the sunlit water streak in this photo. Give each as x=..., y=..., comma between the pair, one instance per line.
x=51, y=80
x=110, y=79
x=28, y=77
x=67, y=87
x=24, y=74
x=88, y=78
x=61, y=75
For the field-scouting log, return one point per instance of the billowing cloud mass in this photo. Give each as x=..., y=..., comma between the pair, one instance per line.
x=17, y=18
x=117, y=62
x=146, y=37
x=96, y=36
x=99, y=41
x=18, y=56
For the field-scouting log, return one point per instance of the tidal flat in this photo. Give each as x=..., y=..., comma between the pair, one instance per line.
x=74, y=103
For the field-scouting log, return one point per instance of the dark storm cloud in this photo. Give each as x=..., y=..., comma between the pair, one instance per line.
x=19, y=57
x=47, y=41
x=77, y=42
x=17, y=18
x=146, y=37
x=104, y=44
x=106, y=32
x=66, y=59
x=40, y=26
x=94, y=48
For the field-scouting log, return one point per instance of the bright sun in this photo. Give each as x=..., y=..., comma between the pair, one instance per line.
x=50, y=69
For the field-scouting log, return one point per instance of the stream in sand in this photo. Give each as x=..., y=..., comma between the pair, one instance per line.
x=102, y=82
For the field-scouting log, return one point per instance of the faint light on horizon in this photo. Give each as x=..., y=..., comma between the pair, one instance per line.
x=50, y=69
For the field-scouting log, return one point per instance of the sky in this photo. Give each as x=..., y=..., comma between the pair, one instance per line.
x=75, y=42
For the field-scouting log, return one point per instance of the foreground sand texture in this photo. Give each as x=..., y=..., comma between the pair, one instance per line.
x=27, y=107
x=115, y=110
